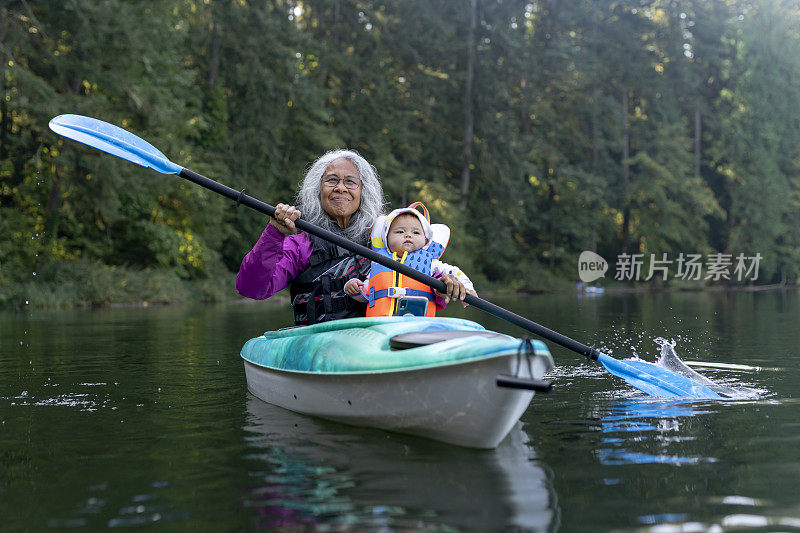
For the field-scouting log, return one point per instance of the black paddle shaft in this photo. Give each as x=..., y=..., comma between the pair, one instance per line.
x=406, y=270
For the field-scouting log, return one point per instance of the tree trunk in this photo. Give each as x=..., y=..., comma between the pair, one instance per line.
x=626, y=211
x=549, y=177
x=595, y=93
x=468, y=105
x=213, y=56
x=595, y=120
x=697, y=137
x=53, y=205
x=4, y=121
x=551, y=201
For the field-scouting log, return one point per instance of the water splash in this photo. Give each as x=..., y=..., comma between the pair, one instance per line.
x=669, y=359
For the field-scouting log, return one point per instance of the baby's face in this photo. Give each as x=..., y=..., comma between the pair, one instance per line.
x=406, y=234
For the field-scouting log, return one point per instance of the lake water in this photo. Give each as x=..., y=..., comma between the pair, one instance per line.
x=134, y=417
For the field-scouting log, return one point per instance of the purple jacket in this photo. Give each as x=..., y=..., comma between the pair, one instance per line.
x=275, y=260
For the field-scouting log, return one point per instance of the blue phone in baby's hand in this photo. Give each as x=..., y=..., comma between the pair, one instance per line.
x=412, y=305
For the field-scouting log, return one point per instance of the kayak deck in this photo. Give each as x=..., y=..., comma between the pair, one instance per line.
x=364, y=345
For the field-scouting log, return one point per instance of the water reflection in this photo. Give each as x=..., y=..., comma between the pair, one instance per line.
x=642, y=431
x=307, y=471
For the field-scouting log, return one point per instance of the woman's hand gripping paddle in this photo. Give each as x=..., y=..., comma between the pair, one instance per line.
x=647, y=377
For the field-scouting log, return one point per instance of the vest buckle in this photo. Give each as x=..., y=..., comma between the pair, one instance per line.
x=396, y=292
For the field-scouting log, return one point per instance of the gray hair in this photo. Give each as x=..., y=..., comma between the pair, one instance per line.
x=372, y=200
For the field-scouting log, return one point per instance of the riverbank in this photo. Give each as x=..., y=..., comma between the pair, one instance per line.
x=95, y=285
x=86, y=284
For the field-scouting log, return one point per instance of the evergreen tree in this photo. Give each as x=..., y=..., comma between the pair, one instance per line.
x=757, y=147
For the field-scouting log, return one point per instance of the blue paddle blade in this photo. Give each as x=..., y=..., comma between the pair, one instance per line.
x=113, y=140
x=655, y=380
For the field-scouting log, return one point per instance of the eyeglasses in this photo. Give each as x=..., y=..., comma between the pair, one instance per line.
x=350, y=183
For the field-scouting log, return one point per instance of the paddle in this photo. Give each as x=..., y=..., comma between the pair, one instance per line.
x=650, y=378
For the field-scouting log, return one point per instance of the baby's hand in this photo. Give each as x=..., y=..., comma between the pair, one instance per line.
x=354, y=286
x=455, y=289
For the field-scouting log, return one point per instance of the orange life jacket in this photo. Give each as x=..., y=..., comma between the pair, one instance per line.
x=385, y=286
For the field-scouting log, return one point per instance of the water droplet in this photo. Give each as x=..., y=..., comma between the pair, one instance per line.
x=34, y=273
x=26, y=303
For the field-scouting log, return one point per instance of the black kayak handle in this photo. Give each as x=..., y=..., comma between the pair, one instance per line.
x=514, y=382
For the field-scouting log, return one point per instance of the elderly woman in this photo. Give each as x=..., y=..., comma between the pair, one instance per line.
x=341, y=193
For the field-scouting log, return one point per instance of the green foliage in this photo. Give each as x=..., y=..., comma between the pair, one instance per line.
x=646, y=127
x=757, y=153
x=92, y=284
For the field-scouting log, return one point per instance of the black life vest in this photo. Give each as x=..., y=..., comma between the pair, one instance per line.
x=318, y=292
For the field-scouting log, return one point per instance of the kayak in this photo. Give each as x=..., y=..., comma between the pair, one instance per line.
x=432, y=377
x=446, y=379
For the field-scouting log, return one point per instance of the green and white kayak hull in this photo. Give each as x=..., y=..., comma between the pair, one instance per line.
x=346, y=371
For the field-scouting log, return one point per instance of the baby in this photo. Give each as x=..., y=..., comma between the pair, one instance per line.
x=407, y=236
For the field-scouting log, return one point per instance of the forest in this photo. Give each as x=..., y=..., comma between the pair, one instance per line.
x=537, y=130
